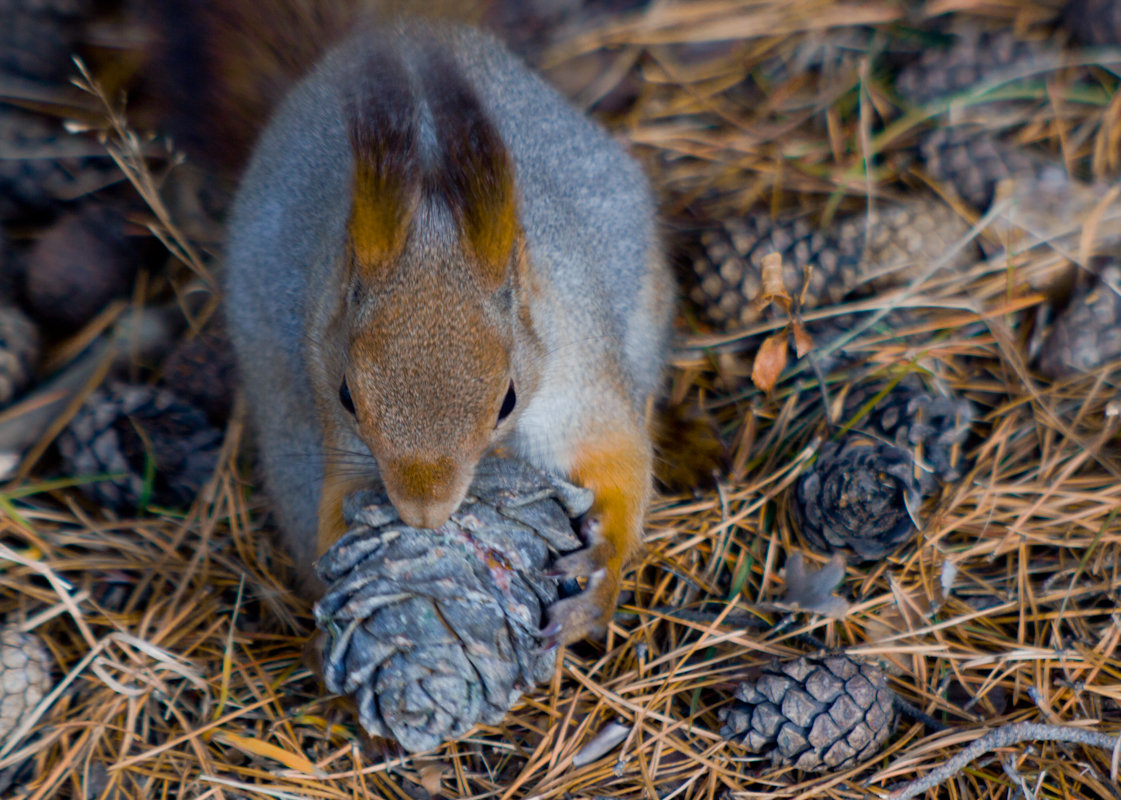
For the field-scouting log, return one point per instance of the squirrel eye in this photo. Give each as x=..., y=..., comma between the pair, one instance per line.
x=508, y=403
x=345, y=398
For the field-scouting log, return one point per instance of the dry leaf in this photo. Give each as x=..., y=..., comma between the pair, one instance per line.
x=803, y=342
x=769, y=361
x=774, y=289
x=431, y=777
x=812, y=589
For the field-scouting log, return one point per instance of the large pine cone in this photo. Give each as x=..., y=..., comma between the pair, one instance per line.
x=1088, y=332
x=154, y=445
x=1094, y=22
x=858, y=496
x=860, y=254
x=815, y=714
x=435, y=631
x=19, y=352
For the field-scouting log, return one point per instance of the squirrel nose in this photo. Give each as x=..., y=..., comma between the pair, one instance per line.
x=424, y=514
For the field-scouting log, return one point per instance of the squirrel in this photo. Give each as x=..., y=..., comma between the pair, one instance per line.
x=432, y=255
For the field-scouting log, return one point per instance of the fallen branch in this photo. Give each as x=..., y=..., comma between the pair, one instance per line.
x=1003, y=737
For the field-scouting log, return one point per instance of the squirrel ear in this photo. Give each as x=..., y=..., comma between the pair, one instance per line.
x=383, y=136
x=475, y=175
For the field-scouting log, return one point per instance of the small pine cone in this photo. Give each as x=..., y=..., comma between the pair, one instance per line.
x=815, y=714
x=932, y=427
x=973, y=57
x=44, y=166
x=432, y=632
x=129, y=431
x=858, y=496
x=25, y=679
x=1088, y=332
x=78, y=265
x=201, y=370
x=1094, y=22
x=973, y=164
x=19, y=352
x=905, y=239
x=38, y=36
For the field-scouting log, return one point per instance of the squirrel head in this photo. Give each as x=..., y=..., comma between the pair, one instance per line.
x=437, y=342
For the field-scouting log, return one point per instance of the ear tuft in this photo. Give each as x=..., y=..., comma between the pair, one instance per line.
x=383, y=135
x=475, y=174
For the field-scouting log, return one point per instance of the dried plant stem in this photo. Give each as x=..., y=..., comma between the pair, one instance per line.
x=1003, y=737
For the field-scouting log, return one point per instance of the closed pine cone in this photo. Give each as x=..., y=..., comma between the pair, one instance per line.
x=905, y=239
x=815, y=714
x=25, y=679
x=973, y=57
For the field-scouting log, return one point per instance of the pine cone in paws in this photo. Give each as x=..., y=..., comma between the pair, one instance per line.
x=1094, y=22
x=78, y=265
x=815, y=714
x=931, y=426
x=25, y=679
x=432, y=632
x=38, y=36
x=857, y=497
x=137, y=432
x=1087, y=334
x=19, y=352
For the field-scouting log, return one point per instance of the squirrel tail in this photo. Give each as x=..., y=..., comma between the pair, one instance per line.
x=217, y=68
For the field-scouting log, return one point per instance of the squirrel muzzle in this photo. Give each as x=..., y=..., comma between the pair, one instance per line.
x=425, y=493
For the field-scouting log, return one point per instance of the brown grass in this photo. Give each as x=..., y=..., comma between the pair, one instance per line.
x=180, y=651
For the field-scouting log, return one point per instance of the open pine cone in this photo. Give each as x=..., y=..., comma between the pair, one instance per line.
x=433, y=632
x=858, y=496
x=815, y=714
x=133, y=432
x=933, y=427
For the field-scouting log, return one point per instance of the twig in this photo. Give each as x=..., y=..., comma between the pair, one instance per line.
x=1003, y=737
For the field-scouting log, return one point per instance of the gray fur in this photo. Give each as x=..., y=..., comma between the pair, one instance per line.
x=589, y=221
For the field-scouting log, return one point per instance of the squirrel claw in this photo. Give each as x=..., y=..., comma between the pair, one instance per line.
x=585, y=614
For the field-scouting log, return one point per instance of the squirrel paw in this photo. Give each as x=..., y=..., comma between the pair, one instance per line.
x=582, y=615
x=585, y=614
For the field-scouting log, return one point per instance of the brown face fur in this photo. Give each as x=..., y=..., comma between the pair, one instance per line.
x=435, y=272
x=428, y=370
